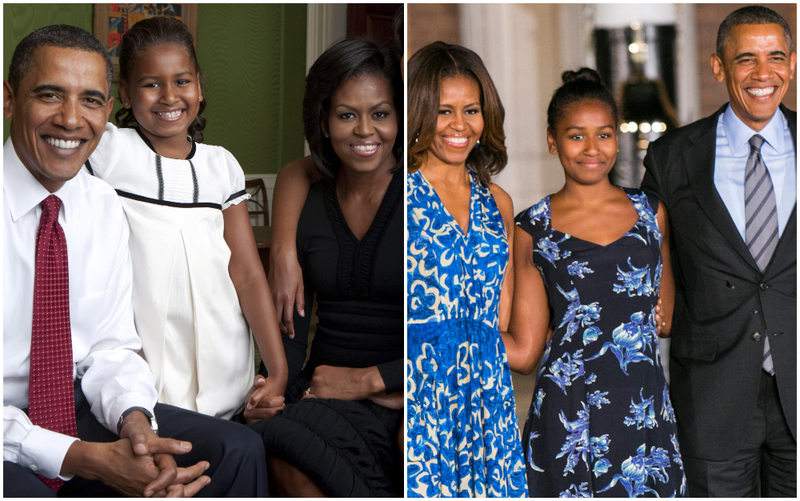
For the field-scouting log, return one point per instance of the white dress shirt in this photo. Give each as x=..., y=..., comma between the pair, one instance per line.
x=732, y=151
x=104, y=341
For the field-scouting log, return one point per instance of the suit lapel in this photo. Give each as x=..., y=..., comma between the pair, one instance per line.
x=789, y=235
x=698, y=160
x=790, y=232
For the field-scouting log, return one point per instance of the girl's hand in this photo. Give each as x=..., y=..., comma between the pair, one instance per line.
x=345, y=383
x=286, y=283
x=659, y=320
x=263, y=400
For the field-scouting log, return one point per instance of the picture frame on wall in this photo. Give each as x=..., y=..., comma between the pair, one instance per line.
x=111, y=21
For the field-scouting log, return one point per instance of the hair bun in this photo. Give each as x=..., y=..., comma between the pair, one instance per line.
x=583, y=74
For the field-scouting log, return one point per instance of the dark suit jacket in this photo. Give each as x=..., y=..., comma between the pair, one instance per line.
x=724, y=305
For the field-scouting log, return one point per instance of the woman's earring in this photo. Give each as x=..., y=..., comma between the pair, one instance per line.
x=326, y=134
x=477, y=143
x=416, y=137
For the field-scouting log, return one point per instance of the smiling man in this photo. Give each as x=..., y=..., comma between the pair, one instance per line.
x=729, y=184
x=80, y=414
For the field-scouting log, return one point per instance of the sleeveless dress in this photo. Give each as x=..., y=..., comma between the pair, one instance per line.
x=601, y=421
x=348, y=447
x=194, y=334
x=463, y=436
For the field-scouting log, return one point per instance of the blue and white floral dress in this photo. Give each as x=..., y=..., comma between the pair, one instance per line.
x=463, y=435
x=601, y=420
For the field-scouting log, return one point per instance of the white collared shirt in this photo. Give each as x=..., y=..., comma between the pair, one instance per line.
x=104, y=341
x=732, y=151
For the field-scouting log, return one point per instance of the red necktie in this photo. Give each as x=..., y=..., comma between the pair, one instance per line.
x=51, y=396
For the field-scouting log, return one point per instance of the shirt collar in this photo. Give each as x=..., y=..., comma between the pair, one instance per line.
x=739, y=134
x=23, y=192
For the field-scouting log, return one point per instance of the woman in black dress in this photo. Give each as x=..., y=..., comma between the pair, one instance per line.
x=338, y=433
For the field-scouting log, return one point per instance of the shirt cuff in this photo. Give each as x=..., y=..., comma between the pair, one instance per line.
x=125, y=402
x=44, y=452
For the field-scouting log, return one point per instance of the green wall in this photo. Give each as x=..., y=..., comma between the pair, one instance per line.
x=253, y=57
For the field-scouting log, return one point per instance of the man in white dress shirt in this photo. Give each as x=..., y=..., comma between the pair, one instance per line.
x=58, y=95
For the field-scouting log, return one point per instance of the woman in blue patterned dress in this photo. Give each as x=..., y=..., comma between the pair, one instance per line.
x=591, y=263
x=463, y=435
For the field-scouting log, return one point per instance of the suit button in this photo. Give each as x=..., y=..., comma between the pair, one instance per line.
x=763, y=286
x=757, y=336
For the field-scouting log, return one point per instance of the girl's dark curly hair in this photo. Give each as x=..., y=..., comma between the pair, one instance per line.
x=427, y=69
x=144, y=35
x=338, y=64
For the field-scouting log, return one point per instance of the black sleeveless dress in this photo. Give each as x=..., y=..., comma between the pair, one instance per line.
x=348, y=447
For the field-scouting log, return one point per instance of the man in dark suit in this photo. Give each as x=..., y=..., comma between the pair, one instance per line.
x=729, y=185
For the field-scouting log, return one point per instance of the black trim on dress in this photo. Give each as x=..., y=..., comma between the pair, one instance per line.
x=160, y=177
x=196, y=193
x=150, y=145
x=236, y=195
x=167, y=203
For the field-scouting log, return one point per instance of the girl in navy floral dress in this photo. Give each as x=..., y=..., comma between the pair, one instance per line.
x=591, y=263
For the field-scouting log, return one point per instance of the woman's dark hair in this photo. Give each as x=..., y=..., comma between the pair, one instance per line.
x=398, y=28
x=427, y=69
x=145, y=35
x=578, y=86
x=338, y=64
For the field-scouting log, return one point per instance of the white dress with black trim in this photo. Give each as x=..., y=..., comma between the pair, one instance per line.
x=187, y=312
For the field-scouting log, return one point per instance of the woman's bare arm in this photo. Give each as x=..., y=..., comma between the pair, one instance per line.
x=285, y=275
x=506, y=207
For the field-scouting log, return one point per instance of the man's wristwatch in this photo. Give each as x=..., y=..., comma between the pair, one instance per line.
x=151, y=417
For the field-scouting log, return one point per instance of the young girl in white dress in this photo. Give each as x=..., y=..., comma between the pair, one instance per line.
x=198, y=280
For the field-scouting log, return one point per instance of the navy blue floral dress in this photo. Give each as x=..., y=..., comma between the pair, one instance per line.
x=601, y=421
x=463, y=436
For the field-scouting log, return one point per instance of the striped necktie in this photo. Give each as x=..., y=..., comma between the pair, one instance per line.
x=761, y=230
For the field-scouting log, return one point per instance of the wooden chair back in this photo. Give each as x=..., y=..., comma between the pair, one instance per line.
x=258, y=204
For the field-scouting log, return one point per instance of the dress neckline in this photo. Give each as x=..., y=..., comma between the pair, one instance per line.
x=150, y=145
x=384, y=209
x=628, y=232
x=449, y=217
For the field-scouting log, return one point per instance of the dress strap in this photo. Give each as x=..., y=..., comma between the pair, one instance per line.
x=535, y=220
